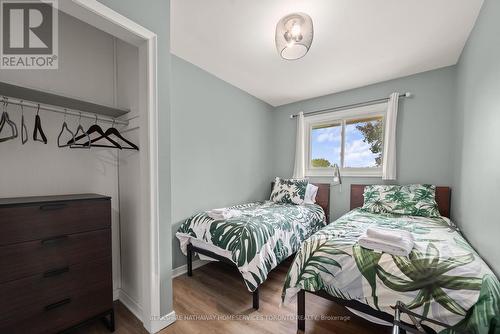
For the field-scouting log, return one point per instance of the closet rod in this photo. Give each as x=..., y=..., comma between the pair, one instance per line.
x=349, y=106
x=30, y=104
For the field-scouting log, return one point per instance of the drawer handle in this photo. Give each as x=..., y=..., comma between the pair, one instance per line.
x=50, y=207
x=56, y=272
x=58, y=304
x=54, y=240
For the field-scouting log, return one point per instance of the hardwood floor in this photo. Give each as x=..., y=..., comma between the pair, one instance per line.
x=217, y=289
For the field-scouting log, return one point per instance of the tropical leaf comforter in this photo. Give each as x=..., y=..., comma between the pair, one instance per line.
x=265, y=234
x=443, y=278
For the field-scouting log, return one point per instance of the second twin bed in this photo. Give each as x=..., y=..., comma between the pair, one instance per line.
x=442, y=278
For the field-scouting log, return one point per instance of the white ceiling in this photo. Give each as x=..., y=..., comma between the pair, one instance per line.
x=356, y=42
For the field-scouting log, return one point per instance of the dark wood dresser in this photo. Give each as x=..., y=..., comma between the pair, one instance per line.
x=55, y=263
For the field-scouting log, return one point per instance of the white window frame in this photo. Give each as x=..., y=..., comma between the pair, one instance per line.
x=341, y=117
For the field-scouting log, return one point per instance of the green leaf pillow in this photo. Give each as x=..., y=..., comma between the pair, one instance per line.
x=290, y=191
x=410, y=200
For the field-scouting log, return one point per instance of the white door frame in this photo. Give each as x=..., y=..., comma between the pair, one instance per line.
x=98, y=15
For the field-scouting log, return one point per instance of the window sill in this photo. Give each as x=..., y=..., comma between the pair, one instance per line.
x=345, y=173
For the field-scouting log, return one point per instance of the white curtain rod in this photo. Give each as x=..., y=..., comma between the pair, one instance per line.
x=83, y=114
x=349, y=106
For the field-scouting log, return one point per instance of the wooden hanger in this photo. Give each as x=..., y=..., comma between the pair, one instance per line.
x=94, y=129
x=38, y=128
x=6, y=120
x=113, y=131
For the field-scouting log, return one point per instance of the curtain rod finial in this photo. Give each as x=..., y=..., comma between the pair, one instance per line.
x=408, y=94
x=292, y=116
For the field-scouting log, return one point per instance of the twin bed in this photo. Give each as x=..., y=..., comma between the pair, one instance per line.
x=443, y=278
x=256, y=242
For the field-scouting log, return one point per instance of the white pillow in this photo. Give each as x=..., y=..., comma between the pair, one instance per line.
x=310, y=196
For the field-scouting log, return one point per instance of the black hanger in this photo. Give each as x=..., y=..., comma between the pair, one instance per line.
x=6, y=120
x=38, y=128
x=24, y=129
x=95, y=129
x=72, y=141
x=64, y=127
x=113, y=131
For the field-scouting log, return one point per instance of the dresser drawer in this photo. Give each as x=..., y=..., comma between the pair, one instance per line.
x=81, y=307
x=42, y=256
x=37, y=303
x=47, y=220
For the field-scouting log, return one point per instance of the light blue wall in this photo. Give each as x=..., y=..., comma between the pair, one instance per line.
x=424, y=131
x=221, y=145
x=477, y=173
x=155, y=16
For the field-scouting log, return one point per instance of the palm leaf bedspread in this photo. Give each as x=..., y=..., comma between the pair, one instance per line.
x=265, y=234
x=443, y=278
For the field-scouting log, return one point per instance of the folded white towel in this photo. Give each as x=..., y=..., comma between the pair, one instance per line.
x=219, y=210
x=401, y=247
x=384, y=234
x=224, y=214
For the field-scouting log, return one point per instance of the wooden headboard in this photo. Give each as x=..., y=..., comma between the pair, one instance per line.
x=443, y=198
x=322, y=197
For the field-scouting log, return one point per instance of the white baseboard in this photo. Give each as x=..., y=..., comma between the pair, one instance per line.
x=183, y=269
x=130, y=303
x=154, y=326
x=116, y=294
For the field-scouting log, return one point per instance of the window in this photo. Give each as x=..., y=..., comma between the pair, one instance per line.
x=352, y=139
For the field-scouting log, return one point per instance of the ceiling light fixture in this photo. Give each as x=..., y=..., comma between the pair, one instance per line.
x=294, y=35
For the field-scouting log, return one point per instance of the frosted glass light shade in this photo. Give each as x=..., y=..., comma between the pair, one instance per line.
x=294, y=36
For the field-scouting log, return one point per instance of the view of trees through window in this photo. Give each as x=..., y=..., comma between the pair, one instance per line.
x=363, y=142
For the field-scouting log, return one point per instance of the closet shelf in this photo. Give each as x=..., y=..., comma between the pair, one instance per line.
x=38, y=96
